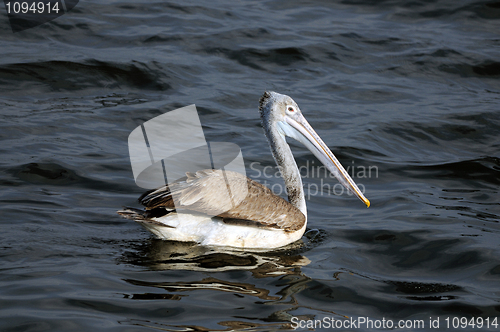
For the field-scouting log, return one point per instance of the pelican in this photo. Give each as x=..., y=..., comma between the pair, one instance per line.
x=261, y=219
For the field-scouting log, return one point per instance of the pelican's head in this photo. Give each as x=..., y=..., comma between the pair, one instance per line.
x=282, y=112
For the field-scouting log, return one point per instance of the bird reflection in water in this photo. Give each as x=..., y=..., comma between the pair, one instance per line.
x=172, y=255
x=284, y=266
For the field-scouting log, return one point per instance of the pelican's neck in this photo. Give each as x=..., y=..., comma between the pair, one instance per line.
x=287, y=165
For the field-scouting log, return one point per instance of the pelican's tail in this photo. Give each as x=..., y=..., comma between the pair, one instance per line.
x=143, y=215
x=134, y=214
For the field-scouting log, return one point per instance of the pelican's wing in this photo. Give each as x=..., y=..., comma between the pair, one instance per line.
x=244, y=201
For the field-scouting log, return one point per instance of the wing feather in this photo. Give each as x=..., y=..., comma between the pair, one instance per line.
x=229, y=195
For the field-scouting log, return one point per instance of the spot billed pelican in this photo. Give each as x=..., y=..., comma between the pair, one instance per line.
x=261, y=219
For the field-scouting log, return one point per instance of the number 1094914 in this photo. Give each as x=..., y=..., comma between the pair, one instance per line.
x=33, y=8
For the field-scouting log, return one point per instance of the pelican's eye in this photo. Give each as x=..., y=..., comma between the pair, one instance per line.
x=291, y=109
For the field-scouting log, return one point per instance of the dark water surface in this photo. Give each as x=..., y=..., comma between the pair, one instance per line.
x=407, y=89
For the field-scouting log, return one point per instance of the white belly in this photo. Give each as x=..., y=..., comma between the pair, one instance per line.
x=213, y=231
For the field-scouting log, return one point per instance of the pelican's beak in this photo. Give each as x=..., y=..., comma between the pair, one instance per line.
x=304, y=133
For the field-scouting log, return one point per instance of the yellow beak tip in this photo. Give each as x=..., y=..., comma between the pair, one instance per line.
x=367, y=202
